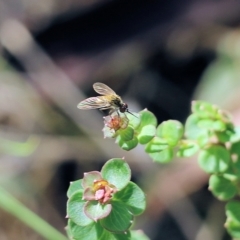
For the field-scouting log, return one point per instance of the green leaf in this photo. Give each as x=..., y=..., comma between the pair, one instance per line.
x=75, y=209
x=214, y=159
x=126, y=134
x=147, y=118
x=234, y=170
x=213, y=125
x=165, y=156
x=192, y=130
x=68, y=231
x=134, y=121
x=187, y=148
x=203, y=139
x=128, y=145
x=219, y=125
x=93, y=231
x=222, y=188
x=117, y=172
x=138, y=235
x=133, y=198
x=119, y=236
x=233, y=211
x=224, y=136
x=235, y=137
x=235, y=149
x=233, y=229
x=204, y=109
x=156, y=145
x=74, y=187
x=119, y=220
x=96, y=210
x=146, y=134
x=170, y=130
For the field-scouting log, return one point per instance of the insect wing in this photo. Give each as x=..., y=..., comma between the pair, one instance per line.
x=93, y=103
x=103, y=89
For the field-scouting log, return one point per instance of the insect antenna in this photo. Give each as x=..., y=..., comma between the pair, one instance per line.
x=131, y=113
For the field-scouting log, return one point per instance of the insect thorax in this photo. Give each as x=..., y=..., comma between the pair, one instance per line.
x=117, y=101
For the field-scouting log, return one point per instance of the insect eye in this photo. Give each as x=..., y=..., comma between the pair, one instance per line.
x=123, y=108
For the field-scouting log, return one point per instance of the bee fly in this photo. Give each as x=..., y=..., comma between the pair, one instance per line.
x=108, y=101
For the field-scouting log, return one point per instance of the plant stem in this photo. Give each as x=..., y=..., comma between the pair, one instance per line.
x=17, y=209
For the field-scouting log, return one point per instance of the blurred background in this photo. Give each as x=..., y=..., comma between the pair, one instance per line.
x=155, y=54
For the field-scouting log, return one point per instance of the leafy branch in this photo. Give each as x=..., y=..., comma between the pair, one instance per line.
x=208, y=131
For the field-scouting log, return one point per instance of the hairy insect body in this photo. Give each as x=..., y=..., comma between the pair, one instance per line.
x=108, y=101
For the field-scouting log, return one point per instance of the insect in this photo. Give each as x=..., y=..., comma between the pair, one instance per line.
x=108, y=101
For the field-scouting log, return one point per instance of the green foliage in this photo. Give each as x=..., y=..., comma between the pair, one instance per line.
x=222, y=188
x=171, y=131
x=103, y=204
x=159, y=141
x=187, y=148
x=129, y=196
x=214, y=159
x=117, y=172
x=119, y=220
x=209, y=131
x=74, y=186
x=233, y=218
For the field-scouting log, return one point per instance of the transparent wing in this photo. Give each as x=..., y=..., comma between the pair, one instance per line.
x=103, y=89
x=93, y=103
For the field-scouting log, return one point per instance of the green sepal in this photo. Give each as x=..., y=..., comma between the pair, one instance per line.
x=75, y=209
x=117, y=172
x=74, y=187
x=133, y=198
x=164, y=156
x=156, y=145
x=96, y=210
x=146, y=134
x=171, y=131
x=222, y=188
x=187, y=148
x=214, y=159
x=119, y=220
